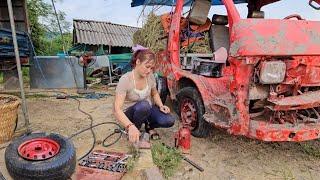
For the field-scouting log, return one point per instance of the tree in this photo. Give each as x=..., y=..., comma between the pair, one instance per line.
x=54, y=45
x=45, y=32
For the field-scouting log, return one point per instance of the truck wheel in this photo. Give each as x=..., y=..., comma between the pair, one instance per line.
x=162, y=88
x=191, y=110
x=40, y=156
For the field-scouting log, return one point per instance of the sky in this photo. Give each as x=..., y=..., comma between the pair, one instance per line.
x=121, y=12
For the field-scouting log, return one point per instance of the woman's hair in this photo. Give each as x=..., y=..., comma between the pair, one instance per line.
x=142, y=55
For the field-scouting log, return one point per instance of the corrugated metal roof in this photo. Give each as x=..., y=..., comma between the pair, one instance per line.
x=102, y=33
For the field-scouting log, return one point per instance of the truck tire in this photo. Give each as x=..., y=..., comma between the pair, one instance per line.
x=191, y=111
x=60, y=166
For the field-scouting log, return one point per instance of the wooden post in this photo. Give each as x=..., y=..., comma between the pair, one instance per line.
x=17, y=56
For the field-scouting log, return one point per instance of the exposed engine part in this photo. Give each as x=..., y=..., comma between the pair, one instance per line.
x=206, y=67
x=292, y=117
x=284, y=116
x=268, y=107
x=258, y=92
x=258, y=104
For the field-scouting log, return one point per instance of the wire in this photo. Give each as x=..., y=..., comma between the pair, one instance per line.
x=91, y=124
x=96, y=125
x=119, y=130
x=116, y=131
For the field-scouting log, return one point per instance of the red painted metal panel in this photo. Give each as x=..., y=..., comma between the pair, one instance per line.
x=303, y=70
x=304, y=101
x=233, y=14
x=261, y=37
x=283, y=132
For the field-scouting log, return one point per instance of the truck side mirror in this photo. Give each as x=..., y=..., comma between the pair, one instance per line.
x=315, y=4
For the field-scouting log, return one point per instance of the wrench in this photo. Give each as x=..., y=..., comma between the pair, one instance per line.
x=122, y=161
x=105, y=154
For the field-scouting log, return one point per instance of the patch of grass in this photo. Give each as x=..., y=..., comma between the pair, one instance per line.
x=166, y=159
x=38, y=95
x=131, y=161
x=25, y=75
x=91, y=78
x=281, y=173
x=1, y=78
x=310, y=150
x=287, y=175
x=96, y=86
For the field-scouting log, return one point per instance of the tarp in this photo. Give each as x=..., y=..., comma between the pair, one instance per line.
x=121, y=61
x=173, y=2
x=120, y=58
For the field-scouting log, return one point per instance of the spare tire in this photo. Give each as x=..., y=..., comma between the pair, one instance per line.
x=60, y=164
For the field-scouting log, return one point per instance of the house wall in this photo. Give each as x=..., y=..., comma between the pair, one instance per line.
x=19, y=13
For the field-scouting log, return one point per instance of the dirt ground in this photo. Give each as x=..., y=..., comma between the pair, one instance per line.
x=222, y=156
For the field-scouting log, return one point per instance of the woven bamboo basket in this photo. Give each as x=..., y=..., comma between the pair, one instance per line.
x=8, y=116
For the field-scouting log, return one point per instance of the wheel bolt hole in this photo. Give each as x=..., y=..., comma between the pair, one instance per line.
x=292, y=135
x=43, y=156
x=38, y=148
x=35, y=157
x=28, y=155
x=50, y=153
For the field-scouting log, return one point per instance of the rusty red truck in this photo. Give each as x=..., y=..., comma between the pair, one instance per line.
x=268, y=86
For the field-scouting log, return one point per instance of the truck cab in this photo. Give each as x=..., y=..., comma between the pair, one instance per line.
x=262, y=79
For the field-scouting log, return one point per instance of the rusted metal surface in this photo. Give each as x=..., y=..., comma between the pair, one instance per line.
x=238, y=101
x=283, y=132
x=303, y=70
x=188, y=113
x=271, y=37
x=258, y=92
x=233, y=14
x=304, y=101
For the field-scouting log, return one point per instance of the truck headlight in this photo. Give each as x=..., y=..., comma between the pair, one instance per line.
x=272, y=72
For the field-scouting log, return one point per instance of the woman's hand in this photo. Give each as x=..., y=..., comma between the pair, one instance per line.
x=133, y=133
x=165, y=109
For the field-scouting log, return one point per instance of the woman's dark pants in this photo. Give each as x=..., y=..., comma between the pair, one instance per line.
x=143, y=112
